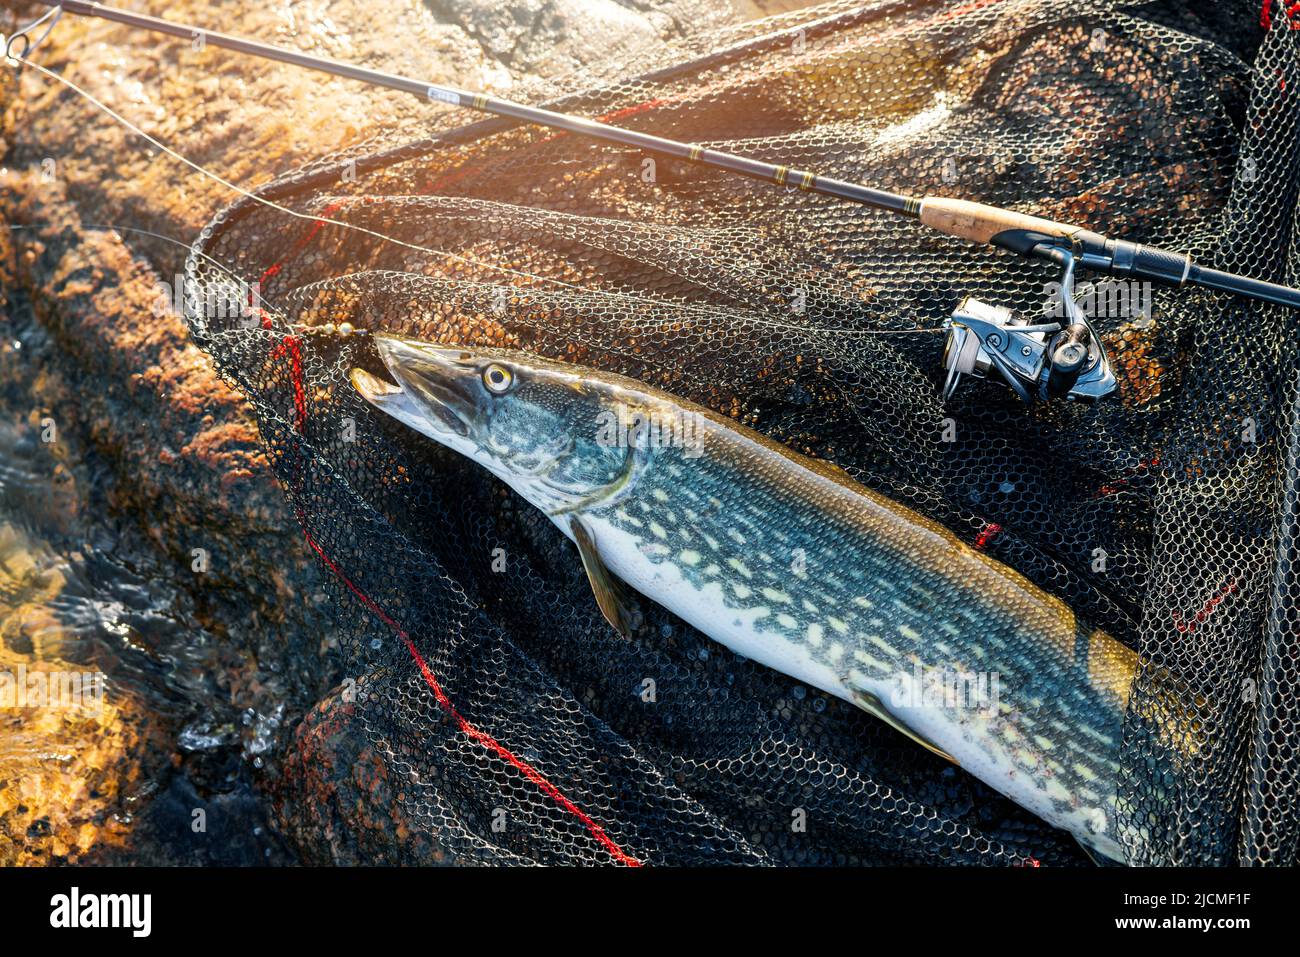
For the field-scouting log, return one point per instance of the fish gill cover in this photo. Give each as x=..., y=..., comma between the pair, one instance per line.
x=485, y=675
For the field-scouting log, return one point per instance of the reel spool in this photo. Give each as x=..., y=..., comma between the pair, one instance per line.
x=1040, y=362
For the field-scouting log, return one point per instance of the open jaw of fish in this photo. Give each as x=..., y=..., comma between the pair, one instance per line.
x=788, y=561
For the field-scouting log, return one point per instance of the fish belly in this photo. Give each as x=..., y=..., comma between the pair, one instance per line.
x=705, y=609
x=974, y=739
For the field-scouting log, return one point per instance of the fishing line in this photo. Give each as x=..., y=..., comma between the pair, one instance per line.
x=271, y=204
x=708, y=312
x=111, y=228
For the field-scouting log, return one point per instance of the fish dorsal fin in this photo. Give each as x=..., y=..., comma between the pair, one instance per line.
x=827, y=467
x=823, y=467
x=871, y=704
x=616, y=602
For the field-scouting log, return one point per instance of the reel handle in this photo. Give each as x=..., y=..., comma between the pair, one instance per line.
x=1068, y=352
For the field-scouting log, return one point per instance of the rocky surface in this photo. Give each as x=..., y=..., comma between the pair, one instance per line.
x=167, y=447
x=340, y=803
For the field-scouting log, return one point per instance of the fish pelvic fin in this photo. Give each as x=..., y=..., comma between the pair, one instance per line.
x=873, y=706
x=616, y=601
x=1097, y=857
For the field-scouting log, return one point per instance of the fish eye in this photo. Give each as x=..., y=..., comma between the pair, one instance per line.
x=497, y=378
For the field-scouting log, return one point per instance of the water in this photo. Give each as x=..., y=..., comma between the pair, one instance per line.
x=164, y=769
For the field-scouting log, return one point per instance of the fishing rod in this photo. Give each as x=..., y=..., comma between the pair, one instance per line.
x=1039, y=361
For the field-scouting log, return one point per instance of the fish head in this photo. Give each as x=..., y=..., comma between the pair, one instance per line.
x=539, y=425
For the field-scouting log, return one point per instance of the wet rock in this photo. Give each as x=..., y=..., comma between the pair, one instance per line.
x=66, y=773
x=552, y=36
x=338, y=802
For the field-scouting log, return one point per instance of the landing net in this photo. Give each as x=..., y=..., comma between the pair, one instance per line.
x=514, y=724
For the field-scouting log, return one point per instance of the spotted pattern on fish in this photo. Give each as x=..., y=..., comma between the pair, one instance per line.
x=900, y=594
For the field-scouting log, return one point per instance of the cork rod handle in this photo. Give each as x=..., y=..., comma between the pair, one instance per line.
x=980, y=223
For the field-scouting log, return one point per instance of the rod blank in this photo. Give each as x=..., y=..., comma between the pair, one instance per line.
x=691, y=153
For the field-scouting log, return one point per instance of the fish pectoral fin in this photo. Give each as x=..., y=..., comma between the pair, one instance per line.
x=615, y=599
x=871, y=704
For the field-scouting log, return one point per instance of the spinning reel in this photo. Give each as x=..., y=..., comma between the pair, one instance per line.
x=1041, y=362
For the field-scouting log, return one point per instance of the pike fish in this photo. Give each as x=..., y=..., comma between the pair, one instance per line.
x=788, y=561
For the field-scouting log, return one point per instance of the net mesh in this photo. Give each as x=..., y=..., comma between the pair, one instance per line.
x=521, y=728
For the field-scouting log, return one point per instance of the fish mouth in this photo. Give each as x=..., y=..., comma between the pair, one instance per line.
x=432, y=393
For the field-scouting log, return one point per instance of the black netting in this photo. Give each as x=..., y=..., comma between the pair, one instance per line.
x=1159, y=122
